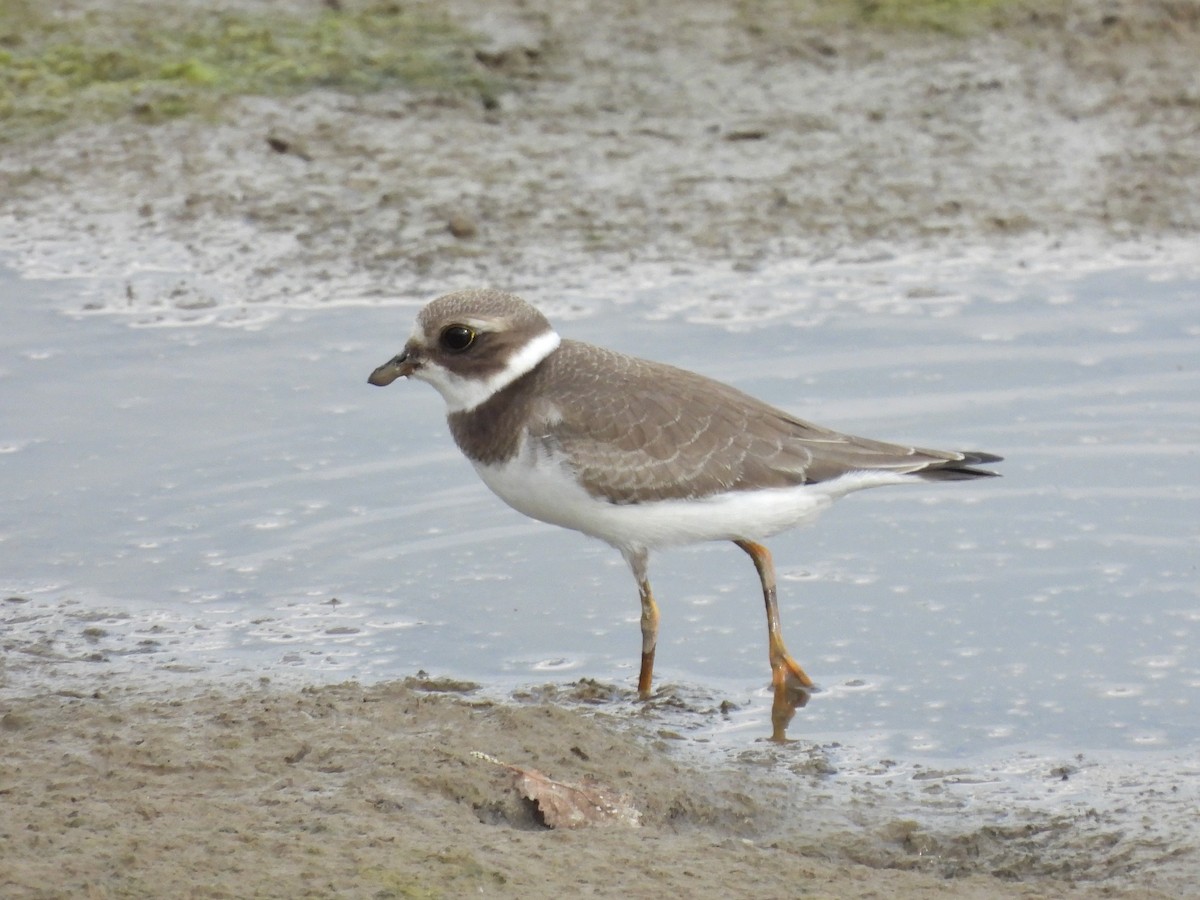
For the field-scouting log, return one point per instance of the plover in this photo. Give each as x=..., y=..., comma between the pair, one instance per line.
x=640, y=454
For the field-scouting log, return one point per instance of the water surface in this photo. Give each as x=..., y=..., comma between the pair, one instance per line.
x=237, y=500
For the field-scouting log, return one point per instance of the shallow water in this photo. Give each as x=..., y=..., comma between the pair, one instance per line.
x=238, y=500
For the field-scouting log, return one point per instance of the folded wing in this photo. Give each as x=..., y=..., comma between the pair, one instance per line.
x=672, y=434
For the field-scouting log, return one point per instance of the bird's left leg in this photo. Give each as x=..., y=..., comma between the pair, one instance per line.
x=792, y=685
x=638, y=562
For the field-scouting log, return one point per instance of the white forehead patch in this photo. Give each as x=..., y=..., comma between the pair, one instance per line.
x=462, y=394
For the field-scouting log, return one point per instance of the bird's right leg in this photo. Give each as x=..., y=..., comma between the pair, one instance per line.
x=792, y=685
x=638, y=560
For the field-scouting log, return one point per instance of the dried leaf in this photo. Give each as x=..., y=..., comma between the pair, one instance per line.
x=565, y=805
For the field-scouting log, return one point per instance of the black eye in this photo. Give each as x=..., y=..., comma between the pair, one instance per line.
x=457, y=338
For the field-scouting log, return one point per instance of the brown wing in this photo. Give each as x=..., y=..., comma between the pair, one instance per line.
x=638, y=431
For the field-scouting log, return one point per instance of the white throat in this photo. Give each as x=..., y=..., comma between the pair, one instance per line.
x=462, y=394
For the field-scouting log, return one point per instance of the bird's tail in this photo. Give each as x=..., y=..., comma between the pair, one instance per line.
x=961, y=468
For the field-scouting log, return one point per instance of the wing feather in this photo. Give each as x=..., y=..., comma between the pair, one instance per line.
x=655, y=432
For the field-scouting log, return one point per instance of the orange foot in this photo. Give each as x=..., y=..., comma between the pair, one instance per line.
x=793, y=689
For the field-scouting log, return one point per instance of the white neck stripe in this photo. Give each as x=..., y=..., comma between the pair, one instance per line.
x=462, y=394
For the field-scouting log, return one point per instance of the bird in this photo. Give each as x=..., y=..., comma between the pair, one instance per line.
x=642, y=455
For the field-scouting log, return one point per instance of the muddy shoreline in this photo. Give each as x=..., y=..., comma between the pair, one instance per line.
x=646, y=136
x=378, y=791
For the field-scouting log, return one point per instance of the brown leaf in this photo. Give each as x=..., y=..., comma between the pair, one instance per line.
x=565, y=805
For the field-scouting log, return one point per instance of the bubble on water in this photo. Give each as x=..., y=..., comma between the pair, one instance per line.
x=1122, y=691
x=557, y=664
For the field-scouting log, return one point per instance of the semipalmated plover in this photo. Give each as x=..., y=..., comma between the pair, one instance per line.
x=640, y=454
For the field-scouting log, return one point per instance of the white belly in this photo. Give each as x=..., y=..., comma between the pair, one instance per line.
x=546, y=490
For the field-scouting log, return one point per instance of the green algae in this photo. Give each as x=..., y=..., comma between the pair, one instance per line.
x=159, y=62
x=948, y=17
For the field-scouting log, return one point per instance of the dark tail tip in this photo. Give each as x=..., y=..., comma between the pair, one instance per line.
x=962, y=469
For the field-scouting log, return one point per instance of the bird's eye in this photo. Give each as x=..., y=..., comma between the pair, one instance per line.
x=457, y=338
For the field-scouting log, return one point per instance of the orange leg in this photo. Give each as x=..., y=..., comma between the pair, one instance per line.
x=792, y=685
x=637, y=561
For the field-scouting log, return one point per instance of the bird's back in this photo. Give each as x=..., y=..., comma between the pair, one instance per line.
x=637, y=431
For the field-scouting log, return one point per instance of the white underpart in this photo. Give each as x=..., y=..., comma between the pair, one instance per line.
x=462, y=394
x=543, y=487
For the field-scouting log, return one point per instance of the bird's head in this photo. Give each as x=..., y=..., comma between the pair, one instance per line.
x=471, y=344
